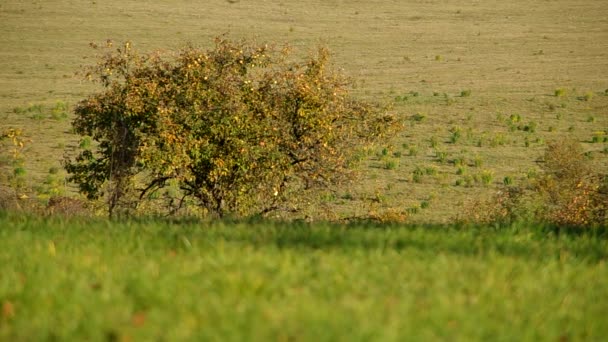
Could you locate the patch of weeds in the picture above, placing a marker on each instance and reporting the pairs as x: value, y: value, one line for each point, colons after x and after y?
x: 551, y: 129
x: 507, y: 180
x: 461, y: 170
x: 598, y: 137
x: 328, y: 197
x: 438, y: 58
x: 53, y: 185
x: 36, y: 112
x: 430, y: 171
x: 530, y: 127
x: 413, y: 151
x: 413, y: 210
x: 459, y: 161
x: 531, y: 174
x: 478, y: 162
x: 487, y: 176
x: 591, y: 118
x: 19, y: 171
x: 456, y: 134
x: 348, y: 196
x: 441, y: 156
x: 465, y: 93
x: 391, y: 164
x: 586, y: 97
x: 571, y: 129
x: 59, y: 111
x: 433, y: 141
x: 379, y: 197
x: 560, y: 92
x: 425, y: 204
x: 497, y: 140
x: 418, y: 117
x: 417, y: 174
x: 448, y: 99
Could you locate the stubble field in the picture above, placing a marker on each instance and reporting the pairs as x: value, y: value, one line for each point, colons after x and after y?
x: 481, y: 86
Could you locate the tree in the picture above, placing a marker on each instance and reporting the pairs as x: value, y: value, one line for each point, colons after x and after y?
x: 239, y: 128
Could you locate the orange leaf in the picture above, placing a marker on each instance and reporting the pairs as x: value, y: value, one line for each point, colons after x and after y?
x: 8, y: 310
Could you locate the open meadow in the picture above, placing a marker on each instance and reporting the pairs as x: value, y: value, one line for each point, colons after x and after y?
x: 481, y: 88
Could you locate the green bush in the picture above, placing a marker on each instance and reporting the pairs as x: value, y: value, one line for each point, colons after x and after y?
x: 240, y: 128
x: 568, y: 192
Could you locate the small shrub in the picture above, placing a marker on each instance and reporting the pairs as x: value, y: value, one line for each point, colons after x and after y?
x: 417, y: 174
x: 478, y: 162
x: 567, y: 192
x: 599, y: 137
x: 19, y: 172
x: 465, y: 93
x: 413, y: 151
x: 586, y: 97
x: 560, y: 92
x: 389, y: 216
x: 441, y: 156
x: 456, y: 134
x: 487, y: 176
x: 530, y: 127
x: 59, y: 111
x: 391, y: 164
x: 418, y: 117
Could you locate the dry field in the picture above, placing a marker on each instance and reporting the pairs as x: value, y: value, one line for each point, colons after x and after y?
x: 481, y: 85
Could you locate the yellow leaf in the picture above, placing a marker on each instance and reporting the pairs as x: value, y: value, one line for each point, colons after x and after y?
x: 51, y: 248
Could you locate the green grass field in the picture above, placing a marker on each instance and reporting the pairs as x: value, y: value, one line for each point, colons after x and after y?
x: 156, y: 280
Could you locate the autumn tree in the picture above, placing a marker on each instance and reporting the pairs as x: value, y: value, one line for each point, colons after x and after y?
x: 240, y: 128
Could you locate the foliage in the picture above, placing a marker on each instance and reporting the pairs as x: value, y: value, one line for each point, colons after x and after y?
x: 568, y: 192
x: 240, y: 128
x: 12, y: 143
x: 574, y: 193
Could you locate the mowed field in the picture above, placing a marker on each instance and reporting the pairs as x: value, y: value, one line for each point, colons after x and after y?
x: 481, y: 86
